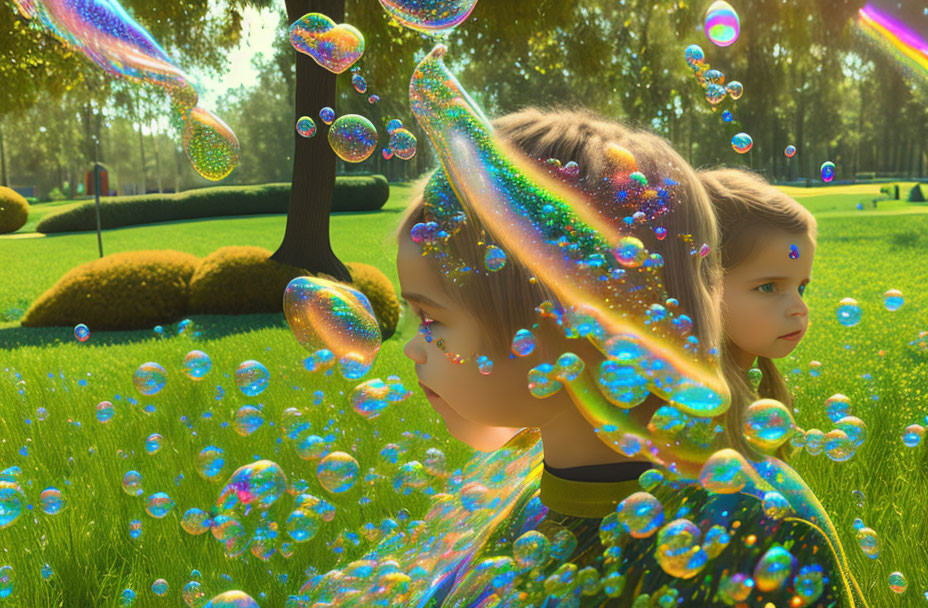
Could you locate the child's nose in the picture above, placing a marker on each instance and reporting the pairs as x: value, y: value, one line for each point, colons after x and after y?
x: 414, y: 351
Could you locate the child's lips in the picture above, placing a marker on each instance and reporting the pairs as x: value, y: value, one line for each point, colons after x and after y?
x: 793, y: 336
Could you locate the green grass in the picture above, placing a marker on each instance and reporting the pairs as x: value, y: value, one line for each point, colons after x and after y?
x: 860, y: 254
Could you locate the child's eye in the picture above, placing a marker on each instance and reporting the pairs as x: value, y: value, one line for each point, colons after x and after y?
x: 762, y: 289
x: 426, y: 321
x: 802, y: 290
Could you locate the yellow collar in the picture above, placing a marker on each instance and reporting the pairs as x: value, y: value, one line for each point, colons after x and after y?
x: 584, y: 498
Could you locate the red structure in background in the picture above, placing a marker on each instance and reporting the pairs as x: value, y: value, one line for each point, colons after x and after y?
x: 104, y: 183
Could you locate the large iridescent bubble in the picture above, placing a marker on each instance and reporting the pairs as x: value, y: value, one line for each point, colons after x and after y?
x: 334, y: 47
x: 429, y: 16
x: 722, y: 23
x: 105, y: 33
x: 353, y: 138
x: 324, y: 314
x: 232, y: 599
x: 260, y: 483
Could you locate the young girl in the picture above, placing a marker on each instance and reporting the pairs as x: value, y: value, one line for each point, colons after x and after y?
x: 767, y: 250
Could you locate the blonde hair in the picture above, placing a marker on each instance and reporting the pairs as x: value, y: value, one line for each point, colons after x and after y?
x: 505, y: 301
x: 746, y: 206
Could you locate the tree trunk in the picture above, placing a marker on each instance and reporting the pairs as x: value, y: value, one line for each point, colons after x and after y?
x: 306, y: 238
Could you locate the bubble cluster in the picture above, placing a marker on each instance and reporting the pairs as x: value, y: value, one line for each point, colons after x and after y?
x: 354, y: 138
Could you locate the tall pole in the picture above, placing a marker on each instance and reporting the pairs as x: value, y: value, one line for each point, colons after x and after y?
x: 96, y: 186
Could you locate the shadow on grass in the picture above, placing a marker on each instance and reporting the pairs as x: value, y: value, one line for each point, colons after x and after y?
x: 212, y: 326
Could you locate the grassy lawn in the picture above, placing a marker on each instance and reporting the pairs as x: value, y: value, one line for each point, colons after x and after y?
x: 860, y: 254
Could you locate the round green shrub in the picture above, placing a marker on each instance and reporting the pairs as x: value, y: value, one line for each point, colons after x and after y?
x: 14, y: 210
x: 131, y: 290
x: 916, y: 195
x: 240, y: 280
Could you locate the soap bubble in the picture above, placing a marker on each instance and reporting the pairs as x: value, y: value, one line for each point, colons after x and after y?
x: 722, y: 23
x: 494, y: 258
x: 260, y: 483
x: 790, y: 151
x: 387, y: 153
x: 641, y: 514
x: 105, y: 412
x: 159, y: 587
x: 531, y: 549
x: 327, y: 115
x: 715, y: 93
x: 854, y: 428
x: 210, y: 462
x: 828, y: 171
x: 337, y: 472
x: 153, y: 443
x: 630, y: 252
x: 232, y: 599
x: 11, y: 503
x: 158, y: 505
x: 373, y: 99
x: 403, y: 143
x: 358, y: 82
x: 6, y: 581
x: 324, y: 314
x: 849, y: 312
x: 393, y: 125
x: 248, y: 419
x: 734, y: 89
x: 132, y: 483
x: 81, y: 332
x: 193, y: 595
x: 197, y: 364
x: 210, y: 144
x: 251, y: 377
x: 149, y: 378
x: 898, y: 583
x: 353, y: 138
x: 893, y: 299
x: 302, y: 525
x: 742, y: 143
x: 837, y: 406
x: 410, y: 477
x: 815, y: 441
x: 768, y: 424
x: 370, y: 398
x: 913, y: 435
x: 714, y: 76
x: 334, y: 47
x: 678, y: 550
x: 306, y: 126
x: 52, y: 501
x: 694, y: 55
x: 775, y: 505
x: 838, y: 446
x: 195, y: 521
x: 523, y: 343
x: 429, y: 16
x: 869, y: 542
x: 727, y: 116
x: 773, y: 569
x: 126, y: 598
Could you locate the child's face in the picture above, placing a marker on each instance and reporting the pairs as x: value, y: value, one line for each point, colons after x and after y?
x: 763, y: 297
x: 473, y: 406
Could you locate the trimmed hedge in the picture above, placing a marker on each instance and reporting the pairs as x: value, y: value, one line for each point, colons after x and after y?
x: 352, y: 193
x: 131, y: 290
x: 14, y: 210
x: 140, y: 289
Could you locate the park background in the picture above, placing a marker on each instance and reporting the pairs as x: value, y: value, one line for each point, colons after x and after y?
x: 811, y: 79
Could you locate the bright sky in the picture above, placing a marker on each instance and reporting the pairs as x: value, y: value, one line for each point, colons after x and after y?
x: 258, y: 31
